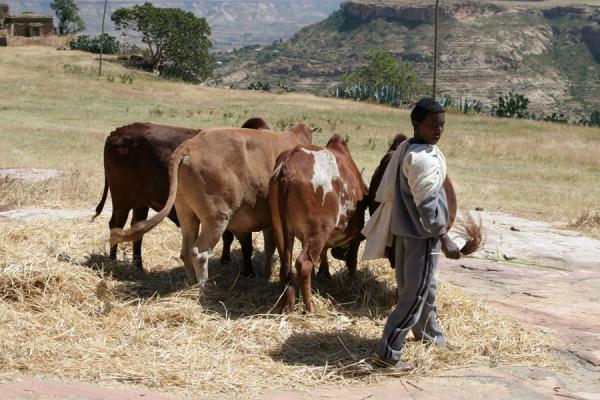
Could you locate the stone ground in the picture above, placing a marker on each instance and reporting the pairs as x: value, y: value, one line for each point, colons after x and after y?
x: 542, y: 275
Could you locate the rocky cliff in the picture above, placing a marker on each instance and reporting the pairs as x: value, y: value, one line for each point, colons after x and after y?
x: 545, y: 50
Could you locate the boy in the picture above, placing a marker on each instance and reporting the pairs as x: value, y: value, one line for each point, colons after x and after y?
x: 419, y: 214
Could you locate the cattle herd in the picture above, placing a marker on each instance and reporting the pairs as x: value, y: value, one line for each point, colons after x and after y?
x: 230, y: 182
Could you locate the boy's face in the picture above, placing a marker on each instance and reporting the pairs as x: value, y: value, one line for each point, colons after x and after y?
x: 430, y: 130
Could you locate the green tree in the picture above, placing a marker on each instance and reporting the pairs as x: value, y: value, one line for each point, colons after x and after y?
x: 381, y: 68
x: 67, y: 13
x: 177, y: 40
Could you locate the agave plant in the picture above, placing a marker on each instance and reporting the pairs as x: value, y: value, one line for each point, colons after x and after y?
x: 385, y: 94
x: 593, y: 120
x: 470, y: 106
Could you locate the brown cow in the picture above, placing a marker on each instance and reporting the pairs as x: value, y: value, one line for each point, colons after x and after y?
x: 376, y: 181
x: 316, y: 194
x: 136, y: 164
x: 220, y: 179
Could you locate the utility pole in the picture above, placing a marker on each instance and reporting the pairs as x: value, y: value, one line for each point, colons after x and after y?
x: 435, y: 47
x: 102, y: 39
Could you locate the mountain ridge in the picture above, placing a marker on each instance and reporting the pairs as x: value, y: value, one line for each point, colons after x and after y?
x: 545, y: 50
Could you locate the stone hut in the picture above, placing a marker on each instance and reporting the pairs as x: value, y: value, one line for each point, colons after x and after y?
x: 24, y: 24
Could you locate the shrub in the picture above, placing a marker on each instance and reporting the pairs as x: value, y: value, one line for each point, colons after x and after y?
x: 109, y: 44
x: 514, y: 105
x: 264, y: 86
x: 286, y: 87
x: 554, y: 117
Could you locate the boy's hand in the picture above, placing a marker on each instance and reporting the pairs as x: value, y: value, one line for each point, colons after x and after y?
x: 449, y: 248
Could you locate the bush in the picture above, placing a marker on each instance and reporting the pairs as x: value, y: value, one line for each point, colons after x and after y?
x: 264, y: 86
x: 287, y: 88
x: 109, y: 44
x: 512, y: 106
x: 554, y: 117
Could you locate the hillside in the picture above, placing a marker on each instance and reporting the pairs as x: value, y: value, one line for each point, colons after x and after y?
x: 235, y: 23
x: 545, y: 50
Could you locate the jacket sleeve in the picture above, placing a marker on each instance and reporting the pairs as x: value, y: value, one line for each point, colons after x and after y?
x: 434, y: 213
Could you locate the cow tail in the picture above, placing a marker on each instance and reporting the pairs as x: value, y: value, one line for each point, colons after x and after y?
x: 100, y: 205
x: 136, y: 232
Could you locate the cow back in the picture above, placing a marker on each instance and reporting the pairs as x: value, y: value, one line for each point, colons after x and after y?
x: 232, y: 166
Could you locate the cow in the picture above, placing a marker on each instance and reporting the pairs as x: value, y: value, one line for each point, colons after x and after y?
x: 220, y: 179
x: 316, y: 194
x: 376, y: 181
x: 136, y: 163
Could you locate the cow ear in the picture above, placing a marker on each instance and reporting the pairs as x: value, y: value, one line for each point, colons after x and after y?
x: 337, y: 142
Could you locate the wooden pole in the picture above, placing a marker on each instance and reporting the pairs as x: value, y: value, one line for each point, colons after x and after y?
x: 435, y: 47
x: 102, y: 39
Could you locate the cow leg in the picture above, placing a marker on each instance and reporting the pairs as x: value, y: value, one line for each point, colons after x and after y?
x: 189, y: 233
x: 324, y: 266
x: 226, y: 254
x: 269, y: 239
x: 139, y: 214
x: 211, y: 232
x: 285, y: 275
x: 246, y: 242
x: 311, y: 250
x: 117, y: 220
x: 352, y: 257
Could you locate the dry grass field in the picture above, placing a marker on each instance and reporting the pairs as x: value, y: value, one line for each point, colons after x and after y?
x: 55, y: 112
x: 67, y: 312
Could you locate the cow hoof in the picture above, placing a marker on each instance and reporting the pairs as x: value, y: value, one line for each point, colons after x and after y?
x: 225, y: 259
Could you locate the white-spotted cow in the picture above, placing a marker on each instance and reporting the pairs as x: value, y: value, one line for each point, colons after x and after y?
x: 317, y: 195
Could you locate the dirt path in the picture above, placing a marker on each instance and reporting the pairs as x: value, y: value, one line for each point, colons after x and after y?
x: 542, y: 275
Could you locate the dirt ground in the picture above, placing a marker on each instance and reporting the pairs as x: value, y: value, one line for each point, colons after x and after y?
x: 553, y: 285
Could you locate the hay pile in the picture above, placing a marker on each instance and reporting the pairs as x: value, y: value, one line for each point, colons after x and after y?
x: 67, y: 312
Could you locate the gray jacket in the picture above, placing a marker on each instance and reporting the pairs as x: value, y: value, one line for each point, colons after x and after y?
x: 429, y: 220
